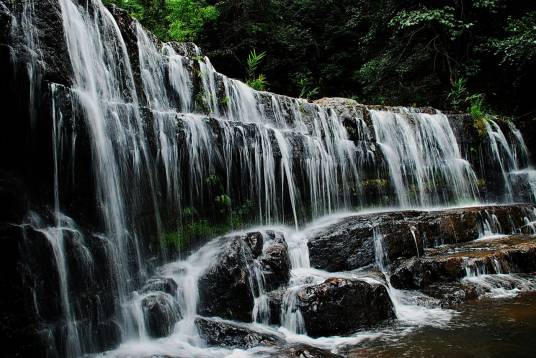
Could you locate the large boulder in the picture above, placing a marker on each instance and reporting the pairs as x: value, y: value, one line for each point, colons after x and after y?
x: 349, y: 244
x: 229, y: 286
x: 225, y: 290
x: 341, y: 306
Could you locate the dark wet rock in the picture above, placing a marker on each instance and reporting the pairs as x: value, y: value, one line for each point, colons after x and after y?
x: 349, y: 244
x: 275, y: 263
x: 225, y: 289
x: 231, y: 335
x: 161, y: 312
x: 341, y: 306
x: 451, y: 294
x: 515, y: 253
x: 162, y: 284
x: 275, y: 298
x: 108, y: 334
x: 255, y: 243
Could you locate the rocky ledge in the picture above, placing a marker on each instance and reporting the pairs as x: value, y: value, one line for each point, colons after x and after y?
x: 349, y: 244
x: 451, y: 263
x: 450, y: 256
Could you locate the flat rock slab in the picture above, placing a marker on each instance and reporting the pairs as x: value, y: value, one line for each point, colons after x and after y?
x: 511, y: 254
x: 349, y: 244
x: 228, y: 334
x: 231, y: 335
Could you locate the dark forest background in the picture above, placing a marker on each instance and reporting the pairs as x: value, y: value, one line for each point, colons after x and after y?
x: 468, y: 55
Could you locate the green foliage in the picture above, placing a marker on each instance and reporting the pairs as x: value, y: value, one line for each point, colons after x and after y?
x: 519, y: 45
x: 257, y: 82
x: 224, y: 101
x: 194, y: 229
x: 134, y: 7
x: 186, y: 18
x: 223, y: 202
x: 306, y: 86
x: 458, y: 94
x: 375, y: 183
x: 189, y: 232
x: 253, y: 61
x: 179, y: 20
x: 476, y: 106
x: 444, y: 17
x: 385, y: 52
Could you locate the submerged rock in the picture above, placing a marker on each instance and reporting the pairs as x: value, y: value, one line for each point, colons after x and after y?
x: 231, y: 335
x: 226, y: 334
x: 341, y: 306
x: 451, y: 293
x: 161, y: 312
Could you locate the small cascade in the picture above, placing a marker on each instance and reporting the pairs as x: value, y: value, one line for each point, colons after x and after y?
x: 55, y: 236
x: 408, y: 305
x: 261, y: 310
x: 425, y: 163
x: 291, y: 316
x: 494, y: 278
x: 490, y: 227
x: 26, y: 28
x: 512, y: 159
x: 503, y: 154
x: 186, y: 274
x: 412, y: 230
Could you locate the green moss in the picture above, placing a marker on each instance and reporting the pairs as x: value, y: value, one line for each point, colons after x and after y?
x: 201, y: 102
x: 479, y: 124
x: 375, y: 183
x: 195, y: 229
x: 224, y: 101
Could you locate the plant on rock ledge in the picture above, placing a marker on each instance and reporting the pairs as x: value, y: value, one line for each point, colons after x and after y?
x: 257, y: 82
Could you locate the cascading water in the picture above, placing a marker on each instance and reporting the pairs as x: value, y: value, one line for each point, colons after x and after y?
x: 105, y: 95
x: 425, y: 163
x: 173, y: 143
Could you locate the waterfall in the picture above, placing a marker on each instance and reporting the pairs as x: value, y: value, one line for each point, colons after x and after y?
x: 174, y: 145
x: 512, y: 160
x: 425, y: 163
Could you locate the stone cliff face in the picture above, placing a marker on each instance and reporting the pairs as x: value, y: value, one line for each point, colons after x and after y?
x: 113, y: 140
